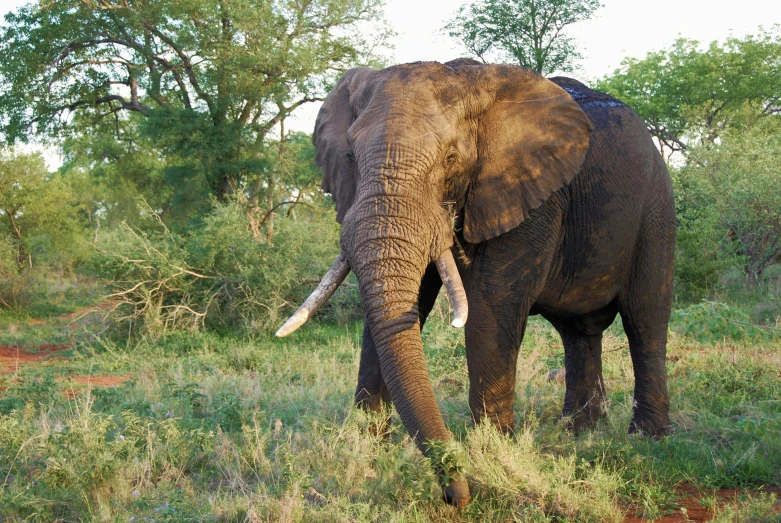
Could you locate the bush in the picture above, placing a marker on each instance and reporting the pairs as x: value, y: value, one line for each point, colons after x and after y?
x: 18, y: 288
x: 219, y: 276
x: 703, y: 251
x: 711, y: 321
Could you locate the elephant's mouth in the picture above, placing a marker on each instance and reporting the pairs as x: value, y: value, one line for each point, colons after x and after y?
x: 445, y: 264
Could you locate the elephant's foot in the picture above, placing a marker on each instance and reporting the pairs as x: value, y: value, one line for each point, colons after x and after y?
x: 503, y: 420
x: 655, y: 428
x: 583, y: 418
x: 651, y: 415
x: 379, y: 408
x: 456, y: 492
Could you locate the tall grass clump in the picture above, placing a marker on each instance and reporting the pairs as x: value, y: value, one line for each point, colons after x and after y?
x: 218, y: 276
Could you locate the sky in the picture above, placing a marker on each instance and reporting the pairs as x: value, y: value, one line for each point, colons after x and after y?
x: 619, y: 29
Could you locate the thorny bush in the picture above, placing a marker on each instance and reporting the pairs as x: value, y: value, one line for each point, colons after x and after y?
x: 219, y: 276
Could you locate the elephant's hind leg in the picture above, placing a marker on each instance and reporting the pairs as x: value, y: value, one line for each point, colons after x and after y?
x: 651, y: 403
x: 585, y: 387
x: 645, y: 311
x: 585, y: 395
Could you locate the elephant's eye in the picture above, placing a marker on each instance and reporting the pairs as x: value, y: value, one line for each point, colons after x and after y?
x: 350, y: 157
x: 451, y: 158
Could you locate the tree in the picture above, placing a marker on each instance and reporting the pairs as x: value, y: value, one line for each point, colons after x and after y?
x: 295, y: 181
x: 116, y: 171
x: 741, y: 182
x: 210, y: 78
x: 36, y: 209
x: 687, y: 95
x: 529, y: 32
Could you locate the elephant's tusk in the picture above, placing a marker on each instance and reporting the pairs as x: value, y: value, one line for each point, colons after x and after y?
x: 456, y: 295
x: 327, y: 286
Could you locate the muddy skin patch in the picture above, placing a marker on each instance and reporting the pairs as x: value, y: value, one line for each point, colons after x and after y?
x: 586, y: 101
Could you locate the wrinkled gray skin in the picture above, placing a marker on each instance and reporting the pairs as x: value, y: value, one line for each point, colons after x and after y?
x: 554, y: 201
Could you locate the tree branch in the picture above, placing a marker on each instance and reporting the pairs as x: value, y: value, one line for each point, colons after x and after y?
x: 263, y: 129
x: 277, y: 206
x: 188, y: 67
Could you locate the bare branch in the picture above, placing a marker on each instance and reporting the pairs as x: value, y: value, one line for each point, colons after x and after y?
x: 277, y: 206
x: 188, y: 67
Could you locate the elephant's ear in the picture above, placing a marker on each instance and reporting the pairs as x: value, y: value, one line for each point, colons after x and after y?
x: 532, y: 140
x: 337, y: 114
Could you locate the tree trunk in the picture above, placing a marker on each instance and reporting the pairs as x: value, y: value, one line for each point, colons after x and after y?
x: 23, y: 259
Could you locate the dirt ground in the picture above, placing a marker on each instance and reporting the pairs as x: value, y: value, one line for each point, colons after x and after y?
x: 693, y: 510
x: 13, y: 359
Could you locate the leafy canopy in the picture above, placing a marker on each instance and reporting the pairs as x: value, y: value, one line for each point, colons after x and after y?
x: 114, y: 169
x: 528, y: 32
x: 212, y: 77
x: 688, y: 95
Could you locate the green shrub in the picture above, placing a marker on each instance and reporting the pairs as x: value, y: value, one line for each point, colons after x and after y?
x: 739, y: 182
x: 703, y: 252
x: 712, y: 321
x: 219, y: 276
x: 18, y: 288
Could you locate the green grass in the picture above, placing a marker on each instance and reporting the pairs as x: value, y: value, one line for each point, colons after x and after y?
x: 221, y: 428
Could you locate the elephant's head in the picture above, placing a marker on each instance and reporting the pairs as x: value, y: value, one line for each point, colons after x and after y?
x: 401, y: 150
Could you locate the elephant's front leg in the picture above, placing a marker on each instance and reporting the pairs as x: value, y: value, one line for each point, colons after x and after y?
x: 371, y: 394
x: 493, y: 336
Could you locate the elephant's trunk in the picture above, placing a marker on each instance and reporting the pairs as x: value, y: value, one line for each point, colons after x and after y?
x: 389, y: 255
x: 395, y: 327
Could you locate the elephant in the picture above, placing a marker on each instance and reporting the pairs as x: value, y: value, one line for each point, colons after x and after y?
x: 522, y: 195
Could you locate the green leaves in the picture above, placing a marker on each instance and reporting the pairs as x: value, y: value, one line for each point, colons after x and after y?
x: 712, y: 322
x: 212, y: 77
x: 37, y: 212
x: 448, y: 458
x: 740, y: 178
x: 689, y: 95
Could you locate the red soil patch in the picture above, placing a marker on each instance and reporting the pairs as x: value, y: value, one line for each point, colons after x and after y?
x: 82, y: 382
x: 695, y: 512
x: 11, y: 358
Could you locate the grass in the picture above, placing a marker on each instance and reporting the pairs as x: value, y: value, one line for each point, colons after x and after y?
x: 225, y: 428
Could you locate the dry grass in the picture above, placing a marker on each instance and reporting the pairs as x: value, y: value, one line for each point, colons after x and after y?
x: 226, y: 429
